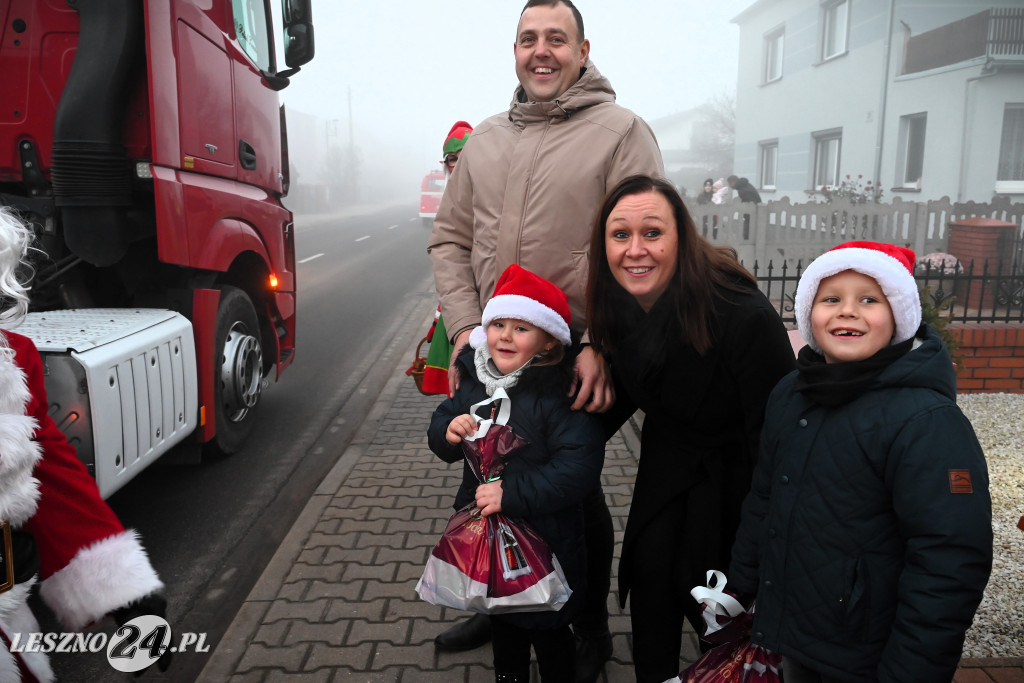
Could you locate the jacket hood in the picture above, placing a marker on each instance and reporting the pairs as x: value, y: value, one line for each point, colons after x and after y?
x: 927, y: 365
x: 591, y: 88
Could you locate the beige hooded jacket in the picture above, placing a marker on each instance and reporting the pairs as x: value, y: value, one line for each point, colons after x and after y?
x: 526, y: 190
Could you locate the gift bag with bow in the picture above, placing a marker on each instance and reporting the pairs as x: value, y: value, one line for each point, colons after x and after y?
x: 493, y: 564
x: 734, y: 659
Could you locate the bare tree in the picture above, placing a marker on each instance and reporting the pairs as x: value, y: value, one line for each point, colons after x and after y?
x: 714, y: 137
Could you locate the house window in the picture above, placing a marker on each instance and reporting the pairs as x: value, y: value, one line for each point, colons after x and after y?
x: 827, y: 145
x: 910, y: 157
x: 1010, y: 176
x: 773, y: 43
x: 769, y: 164
x: 834, y: 23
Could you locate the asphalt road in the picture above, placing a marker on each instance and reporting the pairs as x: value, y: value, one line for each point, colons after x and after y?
x: 365, y: 291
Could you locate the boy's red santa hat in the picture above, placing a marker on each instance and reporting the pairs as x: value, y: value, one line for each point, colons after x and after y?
x: 522, y: 295
x: 891, y: 267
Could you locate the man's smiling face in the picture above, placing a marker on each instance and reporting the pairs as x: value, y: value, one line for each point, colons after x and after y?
x: 549, y: 53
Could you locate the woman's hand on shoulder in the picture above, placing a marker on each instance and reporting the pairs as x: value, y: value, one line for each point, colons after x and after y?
x: 459, y: 428
x: 596, y: 392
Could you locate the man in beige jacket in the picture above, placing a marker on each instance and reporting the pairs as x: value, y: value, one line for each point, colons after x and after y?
x: 526, y: 190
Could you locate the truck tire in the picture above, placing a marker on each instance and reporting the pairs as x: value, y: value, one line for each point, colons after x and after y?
x: 238, y: 362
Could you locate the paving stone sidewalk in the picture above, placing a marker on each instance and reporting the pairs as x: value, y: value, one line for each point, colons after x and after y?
x: 337, y: 601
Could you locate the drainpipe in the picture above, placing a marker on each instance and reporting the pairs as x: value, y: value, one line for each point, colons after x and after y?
x: 883, y: 99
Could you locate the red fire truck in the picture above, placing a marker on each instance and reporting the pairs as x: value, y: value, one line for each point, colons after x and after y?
x: 430, y: 196
x: 145, y: 142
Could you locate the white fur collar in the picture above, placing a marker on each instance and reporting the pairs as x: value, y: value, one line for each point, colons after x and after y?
x: 19, y: 490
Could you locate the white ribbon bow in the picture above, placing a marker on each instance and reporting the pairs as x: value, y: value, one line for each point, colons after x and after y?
x: 504, y: 410
x: 715, y: 600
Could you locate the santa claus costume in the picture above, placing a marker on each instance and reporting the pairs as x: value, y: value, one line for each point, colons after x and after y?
x: 89, y: 565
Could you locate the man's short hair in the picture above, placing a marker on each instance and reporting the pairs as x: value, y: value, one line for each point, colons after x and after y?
x: 552, y: 3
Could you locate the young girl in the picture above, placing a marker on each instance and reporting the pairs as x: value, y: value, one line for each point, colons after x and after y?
x: 867, y: 534
x: 520, y: 347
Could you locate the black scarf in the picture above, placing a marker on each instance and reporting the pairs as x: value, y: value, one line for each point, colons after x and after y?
x: 833, y: 384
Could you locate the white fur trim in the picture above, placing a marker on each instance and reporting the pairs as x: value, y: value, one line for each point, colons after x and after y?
x: 530, y: 310
x: 896, y: 281
x: 8, y: 667
x: 18, y: 619
x: 102, y: 577
x: 478, y: 337
x: 19, y: 490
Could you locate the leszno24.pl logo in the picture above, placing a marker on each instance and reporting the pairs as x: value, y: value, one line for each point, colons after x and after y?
x: 132, y: 647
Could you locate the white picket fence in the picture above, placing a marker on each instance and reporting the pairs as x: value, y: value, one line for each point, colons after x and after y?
x: 779, y: 232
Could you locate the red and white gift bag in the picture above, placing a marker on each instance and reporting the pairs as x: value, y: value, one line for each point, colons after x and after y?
x: 493, y: 564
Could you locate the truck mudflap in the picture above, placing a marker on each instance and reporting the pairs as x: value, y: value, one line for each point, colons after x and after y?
x: 122, y: 384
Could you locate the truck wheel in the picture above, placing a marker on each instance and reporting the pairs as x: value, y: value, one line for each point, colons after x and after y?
x: 238, y: 362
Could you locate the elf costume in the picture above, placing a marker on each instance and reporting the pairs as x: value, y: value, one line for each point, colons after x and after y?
x: 456, y: 138
x: 435, y: 374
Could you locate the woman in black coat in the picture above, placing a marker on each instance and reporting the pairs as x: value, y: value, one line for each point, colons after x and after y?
x: 694, y: 344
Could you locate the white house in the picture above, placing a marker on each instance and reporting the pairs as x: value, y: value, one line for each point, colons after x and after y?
x: 923, y: 97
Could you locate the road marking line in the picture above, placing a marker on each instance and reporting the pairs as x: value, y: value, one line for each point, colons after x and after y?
x: 414, y: 218
x: 364, y: 237
x: 314, y: 256
x: 392, y: 227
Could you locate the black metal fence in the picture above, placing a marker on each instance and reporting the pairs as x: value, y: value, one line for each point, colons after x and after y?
x: 991, y: 292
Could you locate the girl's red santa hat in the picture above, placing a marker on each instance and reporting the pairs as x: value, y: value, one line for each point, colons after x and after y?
x: 891, y: 267
x: 522, y: 295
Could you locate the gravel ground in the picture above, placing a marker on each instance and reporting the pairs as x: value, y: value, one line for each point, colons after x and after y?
x: 998, y: 420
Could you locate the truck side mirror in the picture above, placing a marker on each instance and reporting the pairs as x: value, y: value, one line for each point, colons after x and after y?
x: 298, y: 32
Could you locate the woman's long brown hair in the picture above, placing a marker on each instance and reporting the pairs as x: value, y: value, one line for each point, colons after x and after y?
x: 700, y: 266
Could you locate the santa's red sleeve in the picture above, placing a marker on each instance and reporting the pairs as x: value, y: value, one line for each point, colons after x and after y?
x: 89, y: 564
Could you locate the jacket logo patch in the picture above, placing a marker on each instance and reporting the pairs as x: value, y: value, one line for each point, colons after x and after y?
x: 960, y: 481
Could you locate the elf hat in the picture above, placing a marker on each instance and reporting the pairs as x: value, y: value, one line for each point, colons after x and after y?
x: 891, y: 266
x: 522, y: 295
x: 457, y: 137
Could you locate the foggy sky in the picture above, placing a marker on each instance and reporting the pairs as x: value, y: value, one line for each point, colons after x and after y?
x: 415, y: 67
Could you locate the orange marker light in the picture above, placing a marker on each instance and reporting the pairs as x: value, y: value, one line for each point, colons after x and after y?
x: 273, y: 281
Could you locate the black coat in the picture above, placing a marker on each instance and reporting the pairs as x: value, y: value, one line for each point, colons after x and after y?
x: 867, y: 545
x: 746, y: 191
x: 545, y: 482
x: 702, y: 414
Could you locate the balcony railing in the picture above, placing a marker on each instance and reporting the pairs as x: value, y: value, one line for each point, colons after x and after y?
x: 996, y: 34
x: 1005, y: 35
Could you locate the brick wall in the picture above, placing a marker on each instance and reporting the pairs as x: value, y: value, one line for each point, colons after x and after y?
x: 992, y: 357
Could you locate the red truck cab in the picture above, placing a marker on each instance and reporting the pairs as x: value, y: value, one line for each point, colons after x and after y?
x: 145, y: 141
x: 430, y: 196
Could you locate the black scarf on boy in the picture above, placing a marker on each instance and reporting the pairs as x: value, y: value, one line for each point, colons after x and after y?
x: 835, y: 384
